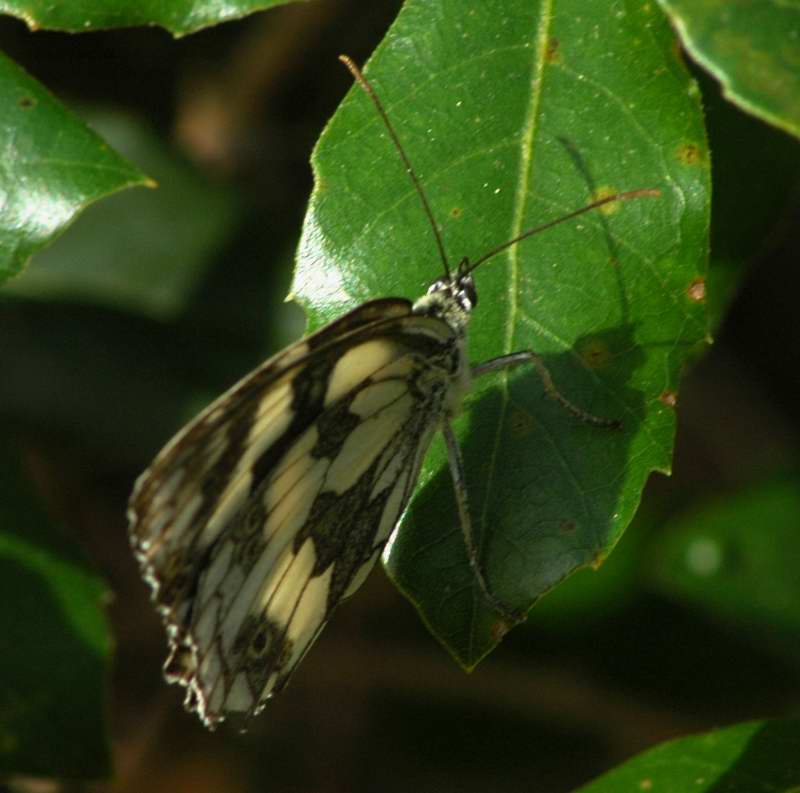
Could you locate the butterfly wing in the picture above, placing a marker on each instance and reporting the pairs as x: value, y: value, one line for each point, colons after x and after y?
x: 275, y: 502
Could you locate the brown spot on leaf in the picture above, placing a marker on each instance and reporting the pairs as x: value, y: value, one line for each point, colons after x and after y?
x: 455, y: 213
x: 521, y: 423
x: 604, y: 191
x: 500, y: 628
x: 595, y: 353
x: 677, y: 51
x: 697, y: 290
x: 26, y: 102
x: 551, y: 52
x: 598, y: 561
x: 567, y: 526
x: 689, y: 154
x: 669, y: 398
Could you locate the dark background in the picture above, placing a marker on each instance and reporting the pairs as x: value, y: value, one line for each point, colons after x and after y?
x: 378, y: 704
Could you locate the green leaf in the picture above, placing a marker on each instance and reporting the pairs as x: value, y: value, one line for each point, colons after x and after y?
x: 736, y: 559
x: 513, y: 113
x: 753, y: 757
x: 55, y: 645
x: 52, y: 167
x: 592, y: 595
x: 142, y: 250
x: 177, y: 16
x: 752, y: 47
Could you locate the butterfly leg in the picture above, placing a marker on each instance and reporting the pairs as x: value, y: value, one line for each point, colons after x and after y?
x: 511, y: 615
x: 532, y: 358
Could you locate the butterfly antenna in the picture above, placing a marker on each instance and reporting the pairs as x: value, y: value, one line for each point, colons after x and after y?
x: 370, y: 92
x: 646, y: 192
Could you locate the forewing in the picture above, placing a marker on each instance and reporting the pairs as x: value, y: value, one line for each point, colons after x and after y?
x: 274, y: 504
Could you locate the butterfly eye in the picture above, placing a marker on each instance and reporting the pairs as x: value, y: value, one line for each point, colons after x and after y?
x: 467, y: 294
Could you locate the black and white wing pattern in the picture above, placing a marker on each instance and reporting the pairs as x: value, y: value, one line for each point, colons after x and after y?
x: 272, y: 506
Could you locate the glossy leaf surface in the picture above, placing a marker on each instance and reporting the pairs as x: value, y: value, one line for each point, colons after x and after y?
x: 516, y: 114
x: 52, y: 167
x: 177, y: 16
x: 752, y: 47
x: 748, y: 758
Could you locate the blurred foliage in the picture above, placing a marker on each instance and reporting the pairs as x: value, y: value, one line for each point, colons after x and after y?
x: 156, y: 300
x: 746, y: 758
x: 53, y: 167
x: 736, y: 559
x: 161, y: 250
x: 750, y: 46
x: 55, y: 643
x: 177, y: 16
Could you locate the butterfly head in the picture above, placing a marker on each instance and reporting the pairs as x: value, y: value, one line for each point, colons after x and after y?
x: 451, y: 298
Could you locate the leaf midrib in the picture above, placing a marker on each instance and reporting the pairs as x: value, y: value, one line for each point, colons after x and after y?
x: 520, y: 201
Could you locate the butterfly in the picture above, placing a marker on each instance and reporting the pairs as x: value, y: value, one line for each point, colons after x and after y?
x: 272, y: 506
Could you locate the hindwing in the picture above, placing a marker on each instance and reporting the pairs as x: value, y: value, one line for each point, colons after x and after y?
x: 269, y: 508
